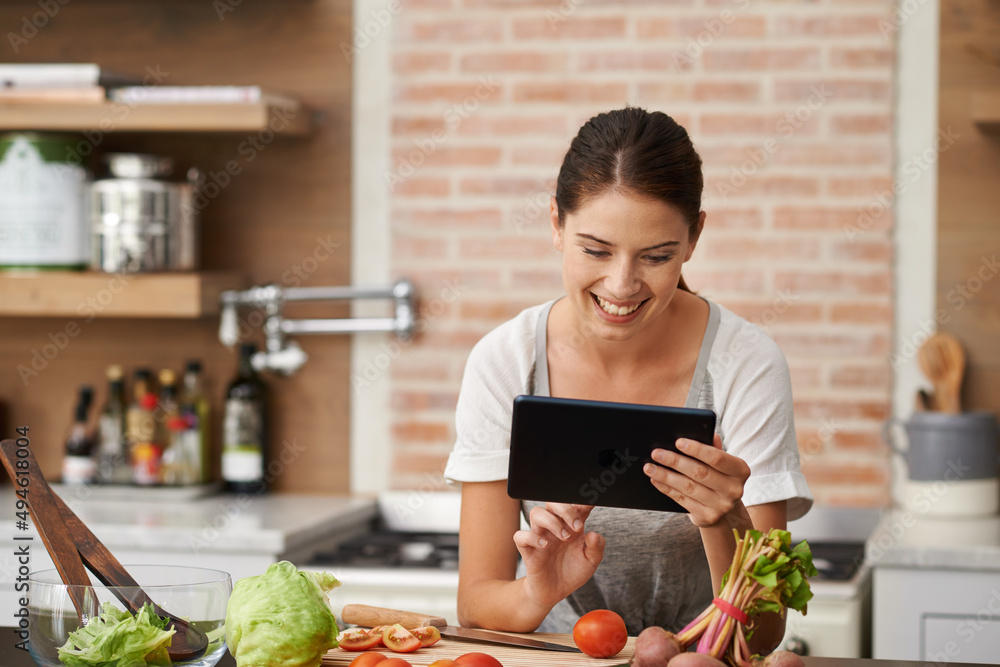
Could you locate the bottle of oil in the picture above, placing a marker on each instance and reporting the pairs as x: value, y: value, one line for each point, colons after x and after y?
x: 112, y: 452
x: 195, y: 411
x: 175, y: 468
x: 244, y: 429
x: 145, y: 452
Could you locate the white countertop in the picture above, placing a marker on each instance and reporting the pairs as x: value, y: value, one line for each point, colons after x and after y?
x: 272, y: 523
x: 906, y: 538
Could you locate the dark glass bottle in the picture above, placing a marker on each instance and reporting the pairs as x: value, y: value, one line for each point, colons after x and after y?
x: 79, y: 466
x: 244, y: 429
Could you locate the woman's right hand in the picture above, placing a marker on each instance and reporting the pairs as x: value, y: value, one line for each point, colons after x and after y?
x: 559, y: 556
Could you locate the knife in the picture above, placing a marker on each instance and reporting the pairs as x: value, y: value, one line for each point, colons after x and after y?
x: 362, y: 614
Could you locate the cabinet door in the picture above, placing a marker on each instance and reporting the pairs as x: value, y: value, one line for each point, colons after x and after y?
x: 962, y: 638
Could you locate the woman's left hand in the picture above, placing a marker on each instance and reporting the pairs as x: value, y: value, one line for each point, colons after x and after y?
x: 705, y: 480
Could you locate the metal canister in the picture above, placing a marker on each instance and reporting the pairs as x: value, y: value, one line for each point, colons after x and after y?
x: 42, y: 189
x: 140, y: 221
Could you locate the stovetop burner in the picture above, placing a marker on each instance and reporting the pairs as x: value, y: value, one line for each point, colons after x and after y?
x: 396, y: 549
x: 837, y: 561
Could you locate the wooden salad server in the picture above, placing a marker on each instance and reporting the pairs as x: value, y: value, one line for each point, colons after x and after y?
x: 72, y: 546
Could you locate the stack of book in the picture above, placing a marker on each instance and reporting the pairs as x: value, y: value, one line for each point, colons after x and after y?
x: 62, y: 83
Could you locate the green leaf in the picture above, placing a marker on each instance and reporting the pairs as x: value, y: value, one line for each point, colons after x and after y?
x: 115, y: 638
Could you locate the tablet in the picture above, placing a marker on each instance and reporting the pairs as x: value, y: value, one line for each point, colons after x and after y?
x: 592, y: 452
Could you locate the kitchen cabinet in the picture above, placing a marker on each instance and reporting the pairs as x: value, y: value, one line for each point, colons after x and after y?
x: 986, y: 108
x: 936, y: 588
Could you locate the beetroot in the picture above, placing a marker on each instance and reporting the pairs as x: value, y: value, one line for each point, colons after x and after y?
x: 780, y: 659
x: 655, y: 647
x: 692, y: 659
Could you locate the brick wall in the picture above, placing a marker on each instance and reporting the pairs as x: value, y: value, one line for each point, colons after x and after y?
x: 789, y: 104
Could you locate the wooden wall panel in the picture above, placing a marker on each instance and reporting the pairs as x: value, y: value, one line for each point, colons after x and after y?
x: 288, y: 199
x: 969, y: 196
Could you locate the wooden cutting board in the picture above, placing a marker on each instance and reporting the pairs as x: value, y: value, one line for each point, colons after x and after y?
x: 509, y: 656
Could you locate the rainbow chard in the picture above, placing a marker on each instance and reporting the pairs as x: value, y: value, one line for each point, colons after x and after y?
x: 767, y: 574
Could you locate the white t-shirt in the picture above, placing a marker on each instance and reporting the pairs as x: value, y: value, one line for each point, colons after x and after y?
x: 741, y: 374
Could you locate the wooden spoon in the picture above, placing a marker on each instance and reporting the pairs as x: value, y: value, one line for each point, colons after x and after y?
x: 71, y: 546
x: 942, y: 360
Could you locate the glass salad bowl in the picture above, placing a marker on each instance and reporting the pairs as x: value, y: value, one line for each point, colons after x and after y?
x: 198, y: 596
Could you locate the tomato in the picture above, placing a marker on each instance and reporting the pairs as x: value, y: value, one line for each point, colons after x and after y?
x: 369, y: 659
x: 600, y: 633
x: 394, y: 662
x: 399, y: 639
x: 478, y: 660
x: 428, y: 635
x: 444, y: 662
x: 358, y: 639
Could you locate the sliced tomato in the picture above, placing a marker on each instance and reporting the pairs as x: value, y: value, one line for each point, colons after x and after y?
x: 428, y: 635
x: 368, y: 659
x: 399, y: 639
x: 358, y: 639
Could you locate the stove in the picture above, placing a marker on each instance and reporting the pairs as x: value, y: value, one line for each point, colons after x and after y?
x: 395, y: 549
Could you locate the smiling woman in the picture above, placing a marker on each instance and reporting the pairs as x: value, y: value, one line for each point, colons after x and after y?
x: 626, y: 216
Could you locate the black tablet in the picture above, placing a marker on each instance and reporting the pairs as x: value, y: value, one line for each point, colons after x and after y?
x: 592, y: 452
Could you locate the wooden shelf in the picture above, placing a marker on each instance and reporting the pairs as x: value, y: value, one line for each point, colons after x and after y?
x: 986, y: 108
x: 109, y: 116
x: 87, y: 294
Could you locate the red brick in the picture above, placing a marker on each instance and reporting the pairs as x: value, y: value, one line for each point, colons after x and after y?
x: 738, y: 280
x: 879, y: 250
x: 755, y: 185
x: 447, y: 156
x: 654, y: 27
x: 735, y: 247
x: 440, y: 339
x: 511, y: 125
x: 569, y: 28
x: 417, y: 247
x: 773, y: 311
x: 805, y: 376
x: 540, y: 155
x: 829, y: 218
x: 423, y: 400
x: 861, y: 312
x: 421, y: 126
x: 631, y: 60
x: 861, y: 186
x: 555, y: 91
x: 539, y: 279
x: 416, y: 62
x: 412, y: 367
x: 861, y: 124
x: 831, y: 344
x: 827, y: 25
x: 862, y: 58
x: 501, y: 185
x: 869, y: 441
x: 493, y: 311
x: 841, y: 153
x: 435, y: 280
x: 752, y: 123
x: 845, y: 409
x: 726, y: 91
x: 837, y: 90
x: 508, y: 4
x: 506, y: 248
x: 521, y: 61
x: 447, y: 218
x: 811, y: 442
x: 664, y: 91
x: 835, y: 282
x: 418, y: 186
x: 737, y: 25
x: 827, y: 472
x: 481, y: 92
x: 733, y: 218
x: 853, y: 496
x: 717, y: 59
x: 448, y: 30
x: 862, y: 377
x: 418, y: 431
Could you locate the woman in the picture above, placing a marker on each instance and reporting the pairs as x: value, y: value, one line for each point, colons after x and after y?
x: 626, y: 216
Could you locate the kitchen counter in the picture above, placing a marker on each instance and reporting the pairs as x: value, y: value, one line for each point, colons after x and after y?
x: 936, y: 587
x: 905, y: 538
x: 238, y: 534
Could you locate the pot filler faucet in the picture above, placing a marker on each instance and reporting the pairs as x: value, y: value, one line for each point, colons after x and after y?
x: 284, y: 356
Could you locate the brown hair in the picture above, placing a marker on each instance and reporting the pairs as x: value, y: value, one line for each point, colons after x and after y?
x: 632, y: 149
